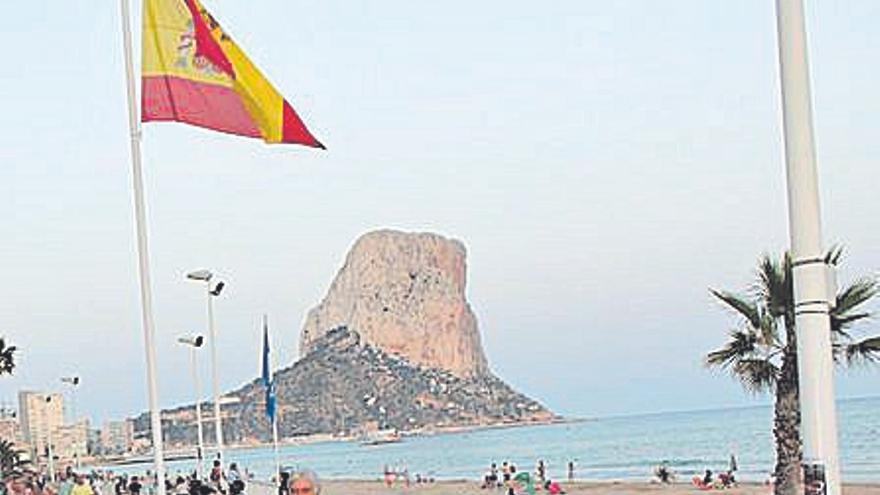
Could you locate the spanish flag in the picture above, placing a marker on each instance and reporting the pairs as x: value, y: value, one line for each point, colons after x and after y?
x: 194, y: 73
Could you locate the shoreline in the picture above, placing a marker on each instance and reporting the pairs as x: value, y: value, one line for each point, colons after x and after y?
x: 186, y: 452
x: 471, y: 487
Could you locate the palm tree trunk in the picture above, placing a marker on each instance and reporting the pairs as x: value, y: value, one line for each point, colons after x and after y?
x: 787, y: 422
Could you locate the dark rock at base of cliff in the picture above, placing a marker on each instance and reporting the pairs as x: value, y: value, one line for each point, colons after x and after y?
x: 344, y: 387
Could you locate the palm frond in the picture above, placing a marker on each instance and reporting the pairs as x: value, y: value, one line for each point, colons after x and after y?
x: 865, y: 351
x: 840, y: 325
x: 741, y: 306
x: 768, y: 331
x: 7, y: 358
x: 756, y: 375
x: 774, y: 284
x: 849, y: 299
x: 834, y: 255
x: 741, y: 346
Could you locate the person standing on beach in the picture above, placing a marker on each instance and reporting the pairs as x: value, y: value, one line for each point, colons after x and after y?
x: 233, y: 475
x: 571, y: 470
x: 389, y: 476
x: 119, y: 486
x: 284, y: 483
x: 217, y: 476
x: 134, y: 488
x: 511, y: 481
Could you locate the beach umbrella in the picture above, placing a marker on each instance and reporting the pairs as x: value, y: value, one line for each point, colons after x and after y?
x: 527, y: 481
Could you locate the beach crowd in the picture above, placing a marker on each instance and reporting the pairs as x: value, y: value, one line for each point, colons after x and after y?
x: 504, y: 478
x: 219, y: 481
x: 517, y: 483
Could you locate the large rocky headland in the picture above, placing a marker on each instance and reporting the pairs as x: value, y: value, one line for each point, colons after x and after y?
x: 394, y: 344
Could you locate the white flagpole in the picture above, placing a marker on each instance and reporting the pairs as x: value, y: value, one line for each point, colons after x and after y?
x: 143, y: 256
x: 811, y: 297
x: 215, y: 384
x: 275, y: 412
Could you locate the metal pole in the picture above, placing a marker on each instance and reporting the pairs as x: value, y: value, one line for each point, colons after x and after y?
x: 275, y: 446
x: 51, y: 460
x: 815, y: 363
x: 198, y: 389
x: 76, y: 426
x: 74, y: 423
x: 218, y: 422
x: 143, y: 256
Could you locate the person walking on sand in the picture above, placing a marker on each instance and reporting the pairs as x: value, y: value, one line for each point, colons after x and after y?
x: 541, y: 471
x: 571, y: 470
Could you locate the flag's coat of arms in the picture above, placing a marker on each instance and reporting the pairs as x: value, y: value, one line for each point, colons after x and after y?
x: 194, y: 73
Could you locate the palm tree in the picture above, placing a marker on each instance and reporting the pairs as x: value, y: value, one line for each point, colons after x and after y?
x: 10, y: 458
x: 762, y: 351
x: 7, y: 358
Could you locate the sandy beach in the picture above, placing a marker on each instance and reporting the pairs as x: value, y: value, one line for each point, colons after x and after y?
x: 461, y: 487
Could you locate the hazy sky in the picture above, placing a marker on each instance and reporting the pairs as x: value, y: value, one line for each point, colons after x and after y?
x: 605, y: 163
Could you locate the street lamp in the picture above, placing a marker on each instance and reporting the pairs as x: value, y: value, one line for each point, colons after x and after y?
x: 212, y: 291
x: 194, y: 343
x: 73, y: 381
x: 50, y: 455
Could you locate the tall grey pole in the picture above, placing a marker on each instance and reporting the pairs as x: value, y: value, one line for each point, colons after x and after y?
x: 198, y: 390
x: 143, y: 256
x: 218, y: 422
x: 76, y: 428
x: 811, y: 298
x: 49, y: 451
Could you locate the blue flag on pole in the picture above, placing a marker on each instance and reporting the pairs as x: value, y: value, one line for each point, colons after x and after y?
x: 268, y: 381
x: 267, y: 378
x: 270, y: 401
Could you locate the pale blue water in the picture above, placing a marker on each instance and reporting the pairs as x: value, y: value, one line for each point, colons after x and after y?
x: 625, y: 448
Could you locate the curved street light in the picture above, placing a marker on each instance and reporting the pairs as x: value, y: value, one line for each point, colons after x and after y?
x: 212, y: 291
x: 194, y: 343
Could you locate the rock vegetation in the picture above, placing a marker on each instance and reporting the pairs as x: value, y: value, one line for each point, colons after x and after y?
x: 346, y: 386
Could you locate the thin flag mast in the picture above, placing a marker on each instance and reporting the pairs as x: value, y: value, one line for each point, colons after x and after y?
x: 269, y: 383
x: 142, y: 250
x: 811, y: 296
x: 241, y: 102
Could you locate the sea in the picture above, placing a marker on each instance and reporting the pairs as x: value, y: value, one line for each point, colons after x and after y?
x: 625, y: 448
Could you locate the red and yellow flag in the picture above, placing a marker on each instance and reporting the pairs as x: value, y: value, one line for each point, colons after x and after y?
x: 194, y: 73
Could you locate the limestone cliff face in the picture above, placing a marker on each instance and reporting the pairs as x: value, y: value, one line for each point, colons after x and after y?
x: 405, y: 294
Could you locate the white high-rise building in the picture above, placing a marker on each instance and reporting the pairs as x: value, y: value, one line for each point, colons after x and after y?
x: 41, y: 417
x: 117, y: 436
